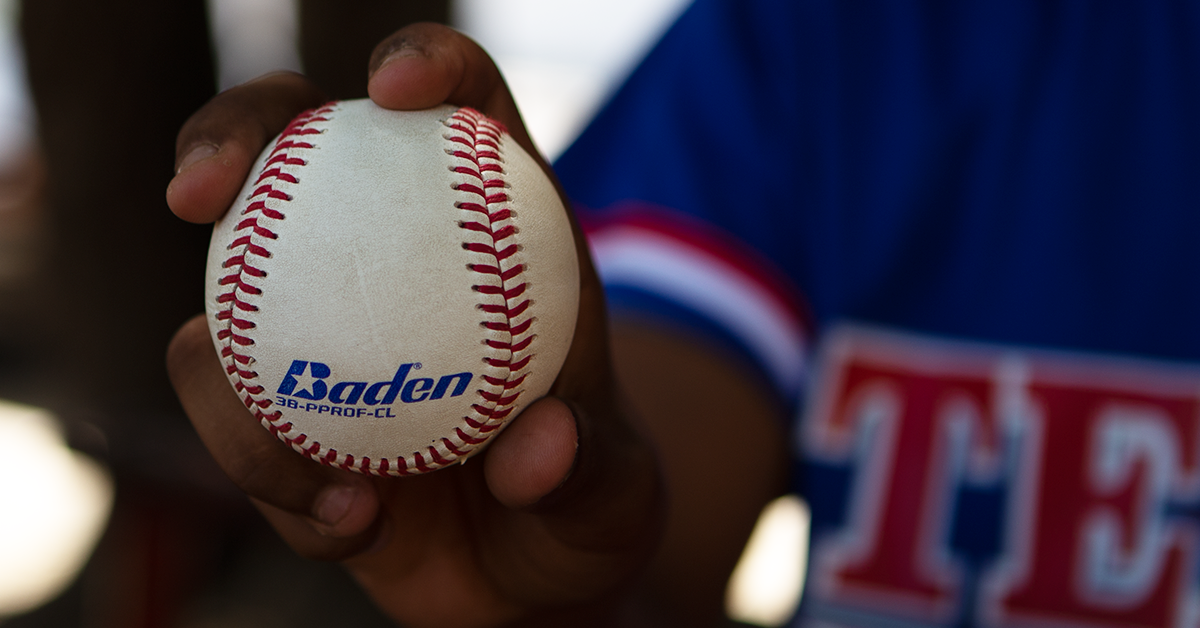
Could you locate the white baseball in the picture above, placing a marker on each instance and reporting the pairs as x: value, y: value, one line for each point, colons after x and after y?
x: 390, y: 288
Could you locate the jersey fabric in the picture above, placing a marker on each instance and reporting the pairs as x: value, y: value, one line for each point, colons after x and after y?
x: 961, y: 240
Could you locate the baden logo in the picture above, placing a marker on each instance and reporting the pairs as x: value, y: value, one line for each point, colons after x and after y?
x: 310, y: 380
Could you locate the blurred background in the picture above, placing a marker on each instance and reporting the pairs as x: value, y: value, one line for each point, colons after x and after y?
x: 111, y: 513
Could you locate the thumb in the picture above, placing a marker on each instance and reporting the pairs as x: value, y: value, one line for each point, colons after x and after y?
x: 534, y: 455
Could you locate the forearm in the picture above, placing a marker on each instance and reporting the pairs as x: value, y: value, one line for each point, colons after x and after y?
x: 701, y: 412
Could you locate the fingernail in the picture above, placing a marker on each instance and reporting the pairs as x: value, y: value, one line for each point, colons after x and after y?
x: 404, y: 52
x: 203, y: 151
x: 333, y: 504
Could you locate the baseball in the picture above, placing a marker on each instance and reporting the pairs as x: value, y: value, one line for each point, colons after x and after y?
x: 391, y: 288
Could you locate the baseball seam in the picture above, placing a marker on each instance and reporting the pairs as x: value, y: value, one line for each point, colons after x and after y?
x: 253, y: 235
x: 474, y: 144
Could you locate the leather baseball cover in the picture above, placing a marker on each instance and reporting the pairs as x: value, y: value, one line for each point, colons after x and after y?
x: 390, y: 288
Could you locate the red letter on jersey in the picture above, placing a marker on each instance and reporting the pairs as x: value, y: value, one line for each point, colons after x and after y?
x: 1088, y: 540
x: 896, y: 411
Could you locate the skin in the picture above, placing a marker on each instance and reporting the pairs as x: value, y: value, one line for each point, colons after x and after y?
x: 561, y: 521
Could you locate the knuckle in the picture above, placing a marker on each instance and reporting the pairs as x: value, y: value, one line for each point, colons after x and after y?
x: 305, y: 541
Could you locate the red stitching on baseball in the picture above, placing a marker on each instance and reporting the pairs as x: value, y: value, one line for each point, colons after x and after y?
x: 476, y: 141
x: 468, y: 439
x: 252, y: 241
x: 420, y: 463
x: 450, y: 446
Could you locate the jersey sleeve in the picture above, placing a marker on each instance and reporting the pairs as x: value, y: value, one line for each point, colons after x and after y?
x: 681, y: 216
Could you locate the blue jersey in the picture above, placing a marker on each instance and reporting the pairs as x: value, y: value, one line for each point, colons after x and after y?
x: 962, y: 239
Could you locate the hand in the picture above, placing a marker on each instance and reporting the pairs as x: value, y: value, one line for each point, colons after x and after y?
x: 565, y: 505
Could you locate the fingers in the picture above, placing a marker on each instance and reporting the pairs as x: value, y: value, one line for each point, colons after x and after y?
x: 416, y: 68
x: 577, y: 522
x: 424, y: 65
x: 533, y: 456
x: 321, y: 512
x: 577, y: 546
x: 218, y: 145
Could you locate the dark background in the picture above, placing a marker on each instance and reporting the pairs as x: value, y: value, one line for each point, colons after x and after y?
x: 85, y: 331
